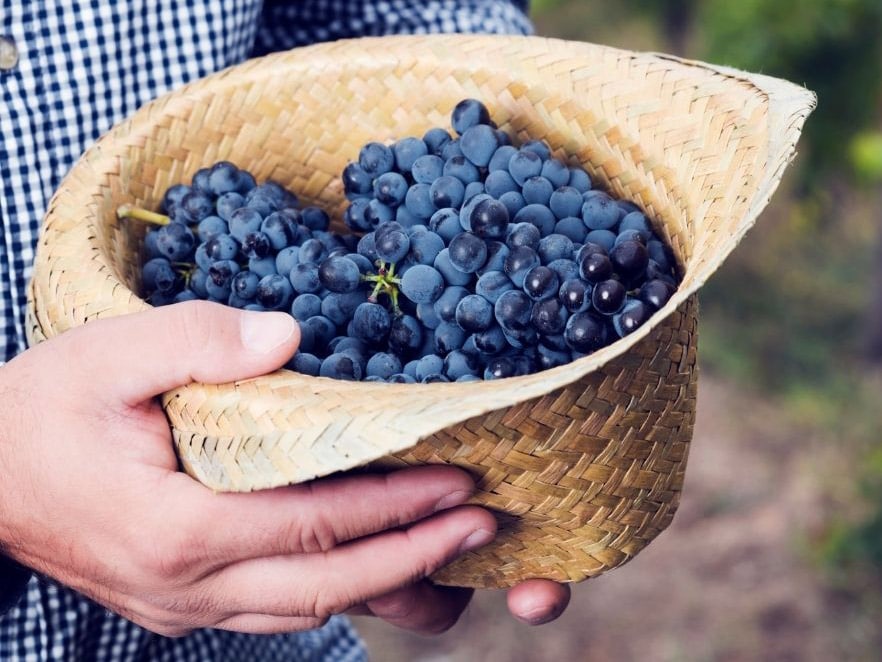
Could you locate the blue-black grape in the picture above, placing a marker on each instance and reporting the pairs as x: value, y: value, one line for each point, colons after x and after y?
x: 305, y: 306
x: 390, y: 188
x: 157, y: 275
x: 629, y: 259
x: 422, y: 284
x: 479, y: 143
x: 474, y: 313
x: 468, y: 113
x: 371, y: 322
x: 537, y: 191
x: 274, y: 292
x: 548, y: 316
x: 608, y: 297
x: 467, y: 252
x: 633, y: 315
x: 376, y: 158
x: 585, y: 333
x: 383, y: 364
x: 541, y: 283
x: 339, y: 274
x: 175, y: 241
x: 656, y: 293
x: 341, y: 366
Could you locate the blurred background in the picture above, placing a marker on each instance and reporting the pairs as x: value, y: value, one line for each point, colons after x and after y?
x: 776, y: 551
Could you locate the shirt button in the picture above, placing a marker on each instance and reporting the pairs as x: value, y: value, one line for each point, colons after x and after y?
x: 8, y: 54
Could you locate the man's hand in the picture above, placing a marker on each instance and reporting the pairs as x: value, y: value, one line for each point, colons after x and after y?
x: 92, y: 496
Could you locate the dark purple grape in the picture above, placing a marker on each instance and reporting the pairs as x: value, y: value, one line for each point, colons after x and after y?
x: 375, y: 159
x: 585, y: 333
x: 407, y: 151
x: 467, y: 252
x: 512, y: 310
x: 468, y: 113
x: 549, y: 317
x: 405, y: 335
x: 274, y: 292
x: 245, y: 284
x: 390, y: 188
x: 447, y: 191
x: 595, y: 267
x: 435, y: 140
x: 474, y: 313
x: 256, y: 245
x: 633, y: 315
x: 575, y: 295
x: 537, y: 191
x: 371, y: 323
x: 157, y: 275
x: 519, y: 261
x: 478, y: 143
x: 445, y: 305
x: 656, y: 293
x: 392, y: 246
x: 422, y: 284
x: 341, y: 366
x: 458, y: 364
x: 489, y: 219
x: 523, y: 165
x: 523, y: 234
x: 629, y: 259
x: 339, y: 274
x: 541, y: 283
x: 608, y: 297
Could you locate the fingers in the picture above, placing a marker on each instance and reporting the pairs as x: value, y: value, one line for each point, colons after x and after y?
x: 135, y: 357
x: 538, y: 601
x: 357, y: 572
x: 309, y: 518
x: 422, y: 607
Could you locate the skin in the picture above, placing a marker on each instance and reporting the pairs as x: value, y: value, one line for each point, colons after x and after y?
x: 92, y: 495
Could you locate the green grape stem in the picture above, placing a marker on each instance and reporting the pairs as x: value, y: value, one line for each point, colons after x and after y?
x: 385, y: 282
x: 144, y: 215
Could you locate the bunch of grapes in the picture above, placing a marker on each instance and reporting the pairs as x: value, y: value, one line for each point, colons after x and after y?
x: 470, y: 258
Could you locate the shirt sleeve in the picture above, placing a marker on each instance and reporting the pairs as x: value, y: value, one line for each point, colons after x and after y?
x: 286, y: 24
x: 13, y: 582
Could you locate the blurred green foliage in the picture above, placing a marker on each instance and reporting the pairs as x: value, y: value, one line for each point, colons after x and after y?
x: 791, y: 311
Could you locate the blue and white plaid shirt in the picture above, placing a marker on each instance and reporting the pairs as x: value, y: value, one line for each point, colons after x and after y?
x: 82, y: 66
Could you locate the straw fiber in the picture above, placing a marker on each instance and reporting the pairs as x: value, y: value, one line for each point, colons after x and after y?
x: 583, y: 463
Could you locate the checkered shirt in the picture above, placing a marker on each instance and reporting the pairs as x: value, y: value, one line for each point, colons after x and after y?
x: 82, y: 66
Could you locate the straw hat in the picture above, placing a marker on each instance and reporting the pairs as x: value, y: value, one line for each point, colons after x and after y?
x: 583, y: 463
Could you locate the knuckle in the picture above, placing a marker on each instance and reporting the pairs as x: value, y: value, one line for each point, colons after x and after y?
x: 332, y: 602
x: 317, y: 536
x: 169, y: 558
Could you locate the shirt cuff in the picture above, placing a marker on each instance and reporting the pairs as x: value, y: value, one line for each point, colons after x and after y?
x: 13, y: 583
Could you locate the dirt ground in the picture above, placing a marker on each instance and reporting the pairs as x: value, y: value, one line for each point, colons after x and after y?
x: 732, y: 579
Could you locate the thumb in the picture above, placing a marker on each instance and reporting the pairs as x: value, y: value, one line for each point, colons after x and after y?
x: 135, y: 357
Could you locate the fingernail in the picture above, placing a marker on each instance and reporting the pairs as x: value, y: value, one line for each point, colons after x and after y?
x: 263, y: 332
x: 477, y: 538
x: 452, y: 499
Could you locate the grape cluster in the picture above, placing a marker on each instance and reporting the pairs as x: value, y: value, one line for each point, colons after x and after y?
x: 470, y: 258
